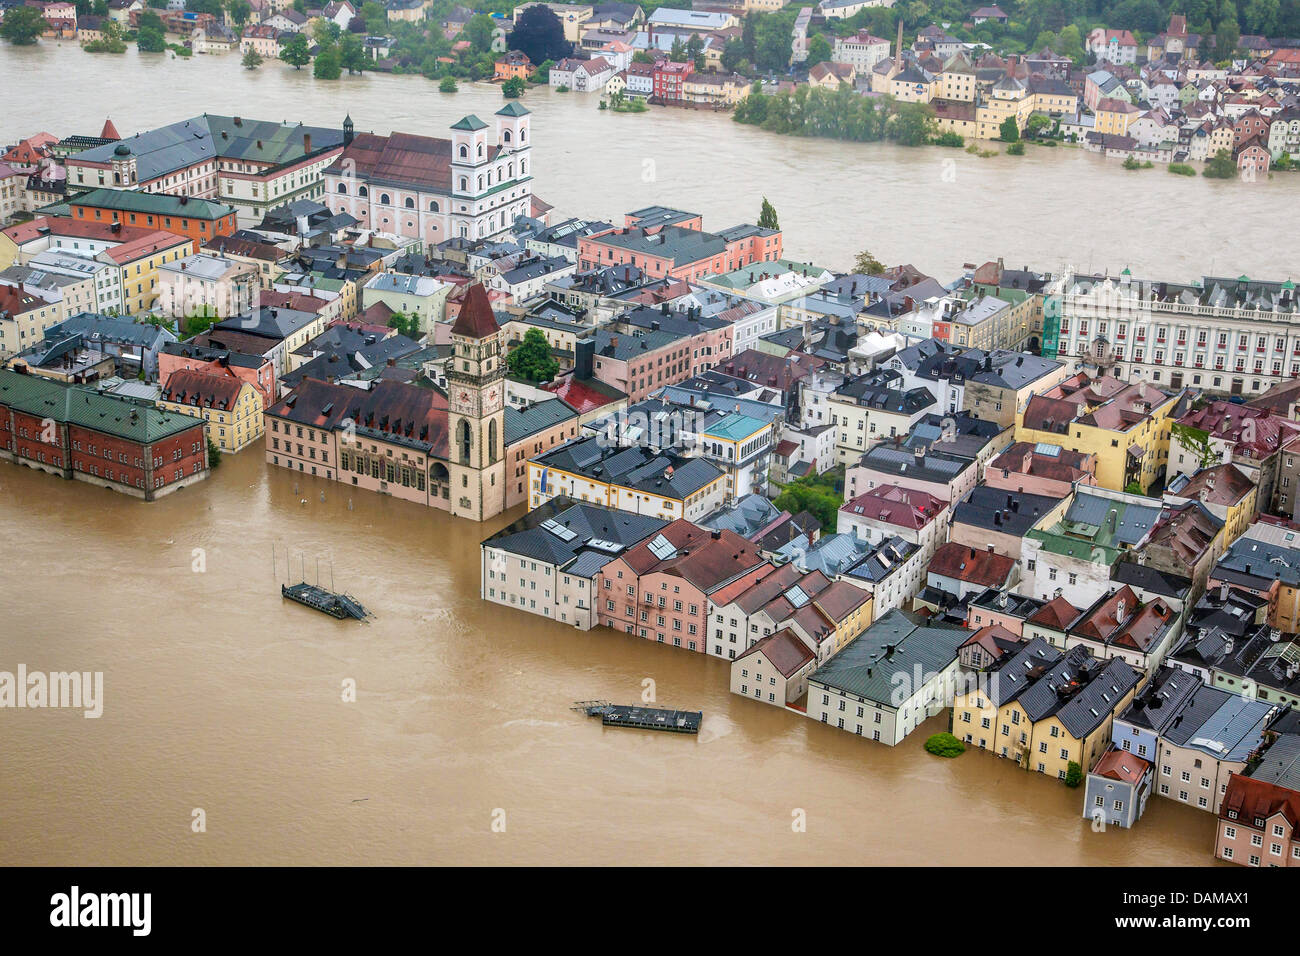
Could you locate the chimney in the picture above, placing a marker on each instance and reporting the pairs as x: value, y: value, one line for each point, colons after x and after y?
x: 306, y: 142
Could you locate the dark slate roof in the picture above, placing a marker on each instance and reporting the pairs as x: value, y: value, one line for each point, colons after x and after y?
x: 579, y: 538
x: 539, y: 416
x: 1018, y: 672
x: 1149, y: 579
x: 1162, y: 699
x: 1000, y: 511
x: 635, y: 467
x: 896, y: 643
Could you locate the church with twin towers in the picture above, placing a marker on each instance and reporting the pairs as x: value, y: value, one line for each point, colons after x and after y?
x: 472, y: 184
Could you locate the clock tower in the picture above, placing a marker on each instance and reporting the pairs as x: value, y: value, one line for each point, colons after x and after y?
x: 476, y: 373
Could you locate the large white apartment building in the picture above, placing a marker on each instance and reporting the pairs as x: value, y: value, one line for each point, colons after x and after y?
x: 1234, y: 336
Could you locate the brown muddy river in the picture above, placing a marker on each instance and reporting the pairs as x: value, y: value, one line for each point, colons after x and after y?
x: 220, y: 695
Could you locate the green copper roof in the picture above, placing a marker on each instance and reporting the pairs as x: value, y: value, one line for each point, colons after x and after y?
x: 470, y: 123
x: 86, y: 407
x: 160, y: 204
x: 512, y: 109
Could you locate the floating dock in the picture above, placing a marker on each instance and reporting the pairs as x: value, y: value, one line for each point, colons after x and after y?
x: 642, y: 718
x: 335, y: 605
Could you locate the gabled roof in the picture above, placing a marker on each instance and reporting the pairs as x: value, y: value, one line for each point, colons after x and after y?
x: 784, y: 651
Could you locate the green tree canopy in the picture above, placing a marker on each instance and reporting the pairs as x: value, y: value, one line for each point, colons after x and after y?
x: 819, y: 50
x: 513, y: 88
x: 252, y: 59
x: 867, y: 264
x: 328, y: 65
x: 296, y: 52
x: 22, y: 26
x: 1009, y: 130
x: 540, y: 35
x: 479, y: 32
x: 531, y: 359
x: 767, y: 216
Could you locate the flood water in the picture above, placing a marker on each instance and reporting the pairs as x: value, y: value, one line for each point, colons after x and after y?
x: 936, y: 208
x: 222, y: 697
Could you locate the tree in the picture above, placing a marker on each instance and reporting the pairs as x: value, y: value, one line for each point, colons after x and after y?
x: 513, y: 88
x: 374, y: 16
x: 1073, y: 774
x: 945, y: 745
x: 327, y: 65
x: 252, y: 59
x: 239, y: 11
x: 1221, y: 166
x: 819, y: 50
x: 767, y: 216
x: 352, y: 54
x: 204, y: 6
x: 22, y: 26
x: 214, y: 454
x: 296, y: 52
x: 732, y: 55
x: 532, y: 359
x: 479, y: 32
x: 150, y: 35
x: 813, y: 495
x: 448, y: 84
x: 1009, y: 131
x: 867, y: 264
x: 695, y: 50
x: 539, y: 35
x: 408, y: 325
x: 678, y: 51
x: 911, y: 125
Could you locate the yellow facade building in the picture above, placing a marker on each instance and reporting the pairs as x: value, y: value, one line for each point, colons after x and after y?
x: 231, y: 407
x: 1126, y: 426
x: 1044, y: 709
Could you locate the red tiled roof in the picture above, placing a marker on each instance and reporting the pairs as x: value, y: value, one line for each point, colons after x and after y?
x: 905, y: 507
x: 475, y: 318
x: 953, y: 560
x: 1056, y: 613
x: 16, y: 301
x: 1251, y: 798
x: 1121, y: 765
x: 204, y: 388
x: 402, y: 159
x: 784, y: 651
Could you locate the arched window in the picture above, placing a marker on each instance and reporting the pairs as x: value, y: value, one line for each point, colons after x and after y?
x: 505, y: 136
x: 383, y: 199
x: 464, y: 440
x: 480, y: 182
x: 523, y: 133
x: 512, y: 170
x: 464, y: 152
x: 492, y: 440
x: 410, y: 203
x: 464, y: 183
x: 363, y: 192
x: 343, y: 188
x: 433, y: 206
x: 523, y: 167
x: 480, y: 150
